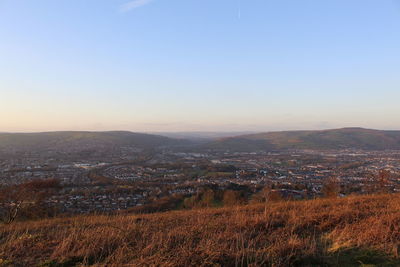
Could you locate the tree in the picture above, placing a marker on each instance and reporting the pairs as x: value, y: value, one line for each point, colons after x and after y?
x: 331, y: 188
x: 26, y: 199
x: 267, y: 194
x: 382, y: 181
x: 378, y: 183
x: 231, y: 198
x: 189, y: 202
x: 208, y: 198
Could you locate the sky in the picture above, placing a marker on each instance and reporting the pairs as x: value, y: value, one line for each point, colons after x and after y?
x: 199, y: 65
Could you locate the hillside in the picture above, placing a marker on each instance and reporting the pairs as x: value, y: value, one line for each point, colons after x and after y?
x: 351, y: 231
x: 356, y: 138
x: 88, y: 140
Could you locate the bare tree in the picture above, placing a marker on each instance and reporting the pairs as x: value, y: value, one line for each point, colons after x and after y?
x: 26, y: 198
x: 266, y: 195
x: 378, y: 183
x: 208, y: 198
x: 231, y: 198
x: 383, y: 181
x: 331, y: 188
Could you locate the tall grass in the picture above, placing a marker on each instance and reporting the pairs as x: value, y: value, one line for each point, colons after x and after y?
x: 323, y: 232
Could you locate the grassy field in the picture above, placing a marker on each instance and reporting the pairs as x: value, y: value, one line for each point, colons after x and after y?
x: 353, y: 231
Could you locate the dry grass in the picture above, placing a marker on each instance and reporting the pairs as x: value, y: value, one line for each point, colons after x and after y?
x: 321, y: 232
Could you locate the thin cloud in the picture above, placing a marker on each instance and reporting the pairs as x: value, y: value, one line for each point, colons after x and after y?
x: 134, y: 4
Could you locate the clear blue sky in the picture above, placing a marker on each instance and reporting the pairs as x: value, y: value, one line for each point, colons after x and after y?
x: 190, y: 65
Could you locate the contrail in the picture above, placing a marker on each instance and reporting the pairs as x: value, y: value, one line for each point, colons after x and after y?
x: 133, y: 4
x: 239, y: 9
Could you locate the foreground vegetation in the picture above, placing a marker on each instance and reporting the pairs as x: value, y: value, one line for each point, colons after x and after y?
x: 353, y: 231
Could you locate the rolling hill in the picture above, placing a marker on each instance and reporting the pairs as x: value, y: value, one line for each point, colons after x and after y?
x: 63, y: 141
x: 356, y: 138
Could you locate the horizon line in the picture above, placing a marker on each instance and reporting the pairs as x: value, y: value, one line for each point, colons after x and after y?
x: 188, y: 132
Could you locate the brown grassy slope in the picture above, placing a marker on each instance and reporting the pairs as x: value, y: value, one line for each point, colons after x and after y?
x: 314, y: 233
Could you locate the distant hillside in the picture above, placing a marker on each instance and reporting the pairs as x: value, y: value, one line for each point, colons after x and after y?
x: 200, y: 136
x: 357, y: 138
x: 87, y: 140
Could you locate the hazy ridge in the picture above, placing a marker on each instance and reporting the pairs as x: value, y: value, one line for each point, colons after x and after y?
x: 352, y: 138
x: 356, y: 138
